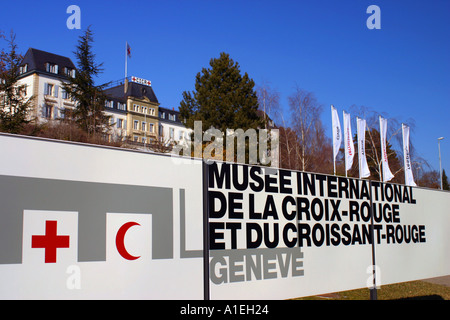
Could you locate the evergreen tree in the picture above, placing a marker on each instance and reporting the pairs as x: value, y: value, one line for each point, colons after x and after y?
x: 445, y: 185
x: 14, y: 105
x: 223, y: 98
x: 89, y: 98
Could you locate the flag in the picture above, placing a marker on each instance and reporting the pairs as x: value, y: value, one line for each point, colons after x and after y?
x: 364, y: 171
x: 387, y: 174
x: 128, y: 50
x: 409, y: 179
x: 349, y: 148
x: 337, y: 133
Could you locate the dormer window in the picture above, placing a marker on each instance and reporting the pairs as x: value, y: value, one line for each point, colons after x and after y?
x: 121, y: 106
x: 109, y: 104
x: 52, y: 68
x: 69, y: 72
x: 23, y: 69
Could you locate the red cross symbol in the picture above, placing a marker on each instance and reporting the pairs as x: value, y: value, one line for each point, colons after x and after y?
x: 50, y: 241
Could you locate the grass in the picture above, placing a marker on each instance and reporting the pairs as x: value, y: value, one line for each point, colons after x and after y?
x: 413, y: 290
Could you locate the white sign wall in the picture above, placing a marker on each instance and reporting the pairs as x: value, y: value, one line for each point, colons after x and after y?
x: 88, y: 222
x: 80, y: 221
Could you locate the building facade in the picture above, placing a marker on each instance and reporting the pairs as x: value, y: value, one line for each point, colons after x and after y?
x: 43, y: 73
x: 116, y: 109
x: 171, y: 127
x: 142, y: 107
x: 134, y: 110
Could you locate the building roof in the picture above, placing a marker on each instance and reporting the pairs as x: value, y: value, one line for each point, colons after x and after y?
x: 164, y: 115
x: 37, y: 59
x: 135, y: 90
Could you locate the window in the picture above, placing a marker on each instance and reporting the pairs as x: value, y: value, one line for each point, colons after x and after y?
x: 69, y: 72
x: 136, y: 107
x: 163, y: 115
x: 171, y: 133
x: 47, y: 111
x: 144, y: 109
x: 136, y: 125
x: 48, y: 89
x: 135, y: 138
x: 144, y: 126
x: 171, y: 117
x: 119, y: 123
x: 23, y: 68
x: 64, y: 94
x: 152, y: 127
x: 151, y: 111
x: 52, y: 68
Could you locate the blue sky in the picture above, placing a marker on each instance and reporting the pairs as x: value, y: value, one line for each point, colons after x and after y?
x: 323, y: 46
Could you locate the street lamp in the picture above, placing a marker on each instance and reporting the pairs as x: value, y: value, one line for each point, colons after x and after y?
x: 440, y: 165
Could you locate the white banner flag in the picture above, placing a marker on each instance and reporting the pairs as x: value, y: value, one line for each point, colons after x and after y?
x: 337, y: 133
x: 409, y: 179
x: 387, y: 174
x: 364, y: 171
x: 348, y: 141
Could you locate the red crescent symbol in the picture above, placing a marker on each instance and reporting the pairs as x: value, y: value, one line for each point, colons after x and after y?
x: 120, y: 240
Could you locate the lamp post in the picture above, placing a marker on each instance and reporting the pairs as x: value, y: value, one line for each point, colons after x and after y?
x: 440, y: 165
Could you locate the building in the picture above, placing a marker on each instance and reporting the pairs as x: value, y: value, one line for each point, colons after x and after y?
x: 131, y: 103
x: 139, y: 99
x: 171, y: 126
x: 116, y: 109
x: 43, y: 73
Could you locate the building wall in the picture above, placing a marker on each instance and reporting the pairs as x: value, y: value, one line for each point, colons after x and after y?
x: 48, y: 103
x: 171, y: 128
x: 173, y: 132
x: 142, y: 120
x: 118, y: 121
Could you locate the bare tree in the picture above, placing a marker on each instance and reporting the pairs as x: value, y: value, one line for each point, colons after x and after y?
x: 288, y: 146
x: 269, y: 102
x: 305, y: 113
x: 394, y: 144
x: 429, y: 179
